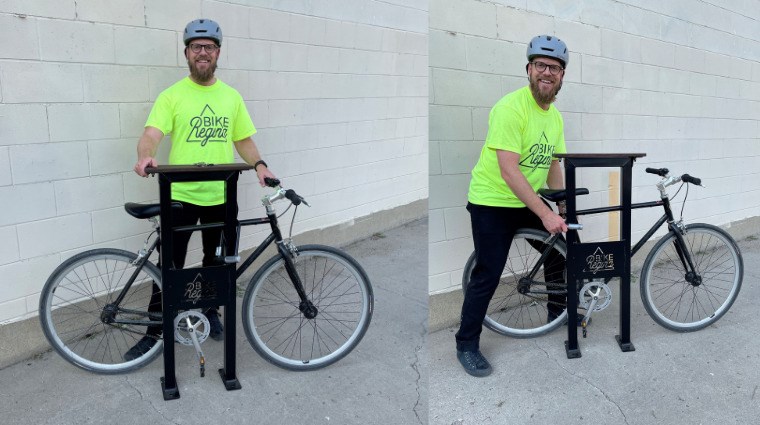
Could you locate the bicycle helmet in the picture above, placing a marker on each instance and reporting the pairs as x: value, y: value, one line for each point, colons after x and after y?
x: 548, y: 46
x: 203, y: 28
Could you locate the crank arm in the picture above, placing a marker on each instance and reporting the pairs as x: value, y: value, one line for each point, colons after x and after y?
x: 193, y: 335
x: 587, y: 317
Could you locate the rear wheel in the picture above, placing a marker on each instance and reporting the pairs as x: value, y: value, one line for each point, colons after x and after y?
x: 526, y: 315
x: 74, y: 313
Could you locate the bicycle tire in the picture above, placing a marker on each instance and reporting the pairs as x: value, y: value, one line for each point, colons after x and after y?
x: 679, y: 305
x: 72, y: 301
x: 279, y: 332
x: 514, y: 314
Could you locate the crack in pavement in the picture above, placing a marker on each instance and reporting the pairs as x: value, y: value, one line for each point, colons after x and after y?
x: 609, y: 399
x: 150, y: 402
x: 416, y: 368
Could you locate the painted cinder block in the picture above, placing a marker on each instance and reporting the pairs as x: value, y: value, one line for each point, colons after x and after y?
x: 579, y: 37
x: 464, y: 16
x: 145, y: 46
x: 114, y: 223
x: 5, y: 166
x: 49, y: 161
x: 459, y: 157
x: 23, y: 31
x: 46, y: 8
x: 71, y: 231
x: 124, y: 12
x: 9, y: 248
x: 85, y: 121
x: 35, y: 82
x: 460, y: 88
x: 88, y: 194
x: 22, y: 124
x: 448, y: 190
x: 69, y: 41
x: 450, y: 123
x: 495, y: 56
x: 111, y: 83
x: 172, y: 15
x: 233, y: 18
x: 514, y: 24
x: 27, y: 203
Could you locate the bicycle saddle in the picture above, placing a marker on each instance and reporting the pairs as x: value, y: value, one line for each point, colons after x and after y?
x: 556, y: 195
x: 146, y: 210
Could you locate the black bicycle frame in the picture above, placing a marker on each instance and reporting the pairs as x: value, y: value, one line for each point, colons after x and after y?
x: 680, y: 244
x: 275, y: 236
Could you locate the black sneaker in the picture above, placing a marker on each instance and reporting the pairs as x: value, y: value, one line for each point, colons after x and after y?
x: 474, y: 363
x: 217, y: 330
x: 143, y: 346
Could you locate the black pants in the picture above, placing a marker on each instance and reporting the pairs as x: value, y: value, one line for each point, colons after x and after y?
x: 188, y: 216
x: 493, y: 229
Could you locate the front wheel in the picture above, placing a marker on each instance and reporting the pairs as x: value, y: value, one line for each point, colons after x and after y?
x: 74, y: 310
x: 541, y: 306
x: 683, y: 300
x: 294, y: 337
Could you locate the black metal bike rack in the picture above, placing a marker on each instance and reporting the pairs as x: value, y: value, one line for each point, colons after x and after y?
x: 198, y: 287
x: 596, y: 260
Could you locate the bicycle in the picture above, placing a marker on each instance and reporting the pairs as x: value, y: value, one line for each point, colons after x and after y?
x: 689, y: 280
x: 301, y: 311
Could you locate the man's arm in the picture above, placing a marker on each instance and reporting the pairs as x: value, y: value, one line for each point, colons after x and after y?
x: 250, y: 154
x: 510, y: 172
x: 146, y: 149
x: 555, y: 180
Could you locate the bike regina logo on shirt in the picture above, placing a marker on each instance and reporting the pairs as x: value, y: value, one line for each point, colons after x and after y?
x: 540, y: 154
x: 208, y: 127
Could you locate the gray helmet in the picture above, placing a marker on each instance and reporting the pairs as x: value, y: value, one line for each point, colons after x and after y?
x: 203, y: 28
x: 549, y: 46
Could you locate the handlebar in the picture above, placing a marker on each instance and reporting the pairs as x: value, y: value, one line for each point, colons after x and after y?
x: 669, y: 181
x: 289, y: 194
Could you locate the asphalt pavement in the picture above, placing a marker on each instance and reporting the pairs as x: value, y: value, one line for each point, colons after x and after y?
x: 383, y: 381
x: 711, y: 376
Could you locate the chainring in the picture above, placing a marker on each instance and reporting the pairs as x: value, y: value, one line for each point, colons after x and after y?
x: 199, y: 322
x: 589, y: 291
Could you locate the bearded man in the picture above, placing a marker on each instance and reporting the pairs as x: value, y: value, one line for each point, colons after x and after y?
x: 524, y: 131
x: 205, y: 118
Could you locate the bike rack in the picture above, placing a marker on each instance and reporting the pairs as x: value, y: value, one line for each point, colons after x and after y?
x: 595, y: 260
x: 198, y: 287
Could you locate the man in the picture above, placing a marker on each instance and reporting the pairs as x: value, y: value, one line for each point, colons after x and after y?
x: 205, y: 118
x: 524, y: 131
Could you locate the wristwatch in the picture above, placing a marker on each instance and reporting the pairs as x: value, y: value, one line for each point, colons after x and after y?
x: 259, y: 162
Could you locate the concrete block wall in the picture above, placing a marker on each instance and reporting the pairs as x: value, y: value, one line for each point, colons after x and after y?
x: 677, y: 80
x: 337, y: 89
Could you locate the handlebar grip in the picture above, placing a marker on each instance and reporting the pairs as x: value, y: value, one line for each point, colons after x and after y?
x: 662, y: 172
x: 271, y: 182
x: 293, y: 197
x: 693, y: 180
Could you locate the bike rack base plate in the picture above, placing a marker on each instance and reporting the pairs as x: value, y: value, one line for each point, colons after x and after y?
x: 229, y: 384
x: 169, y: 393
x: 624, y: 346
x: 572, y: 354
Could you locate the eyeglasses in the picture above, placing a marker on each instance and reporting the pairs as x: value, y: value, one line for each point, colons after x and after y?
x: 210, y: 48
x: 541, y: 67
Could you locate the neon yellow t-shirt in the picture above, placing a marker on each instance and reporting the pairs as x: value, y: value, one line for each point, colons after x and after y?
x: 204, y: 122
x: 516, y: 124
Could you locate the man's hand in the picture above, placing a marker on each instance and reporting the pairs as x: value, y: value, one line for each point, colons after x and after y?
x: 261, y: 172
x: 146, y: 150
x: 553, y: 223
x: 142, y: 163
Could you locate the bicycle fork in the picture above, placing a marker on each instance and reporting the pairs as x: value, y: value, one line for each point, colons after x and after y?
x: 288, y: 252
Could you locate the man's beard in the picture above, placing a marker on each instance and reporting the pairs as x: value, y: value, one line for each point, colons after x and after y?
x: 202, y: 76
x: 541, y: 98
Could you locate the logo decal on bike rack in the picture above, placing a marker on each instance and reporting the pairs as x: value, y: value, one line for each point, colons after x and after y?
x: 600, y: 261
